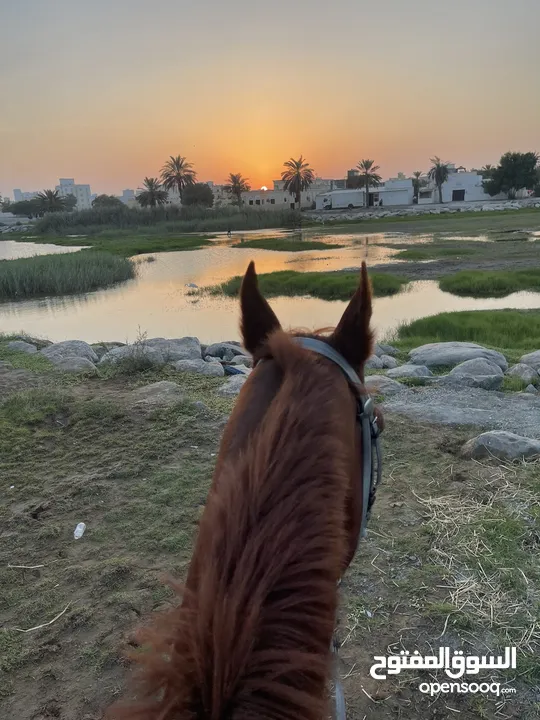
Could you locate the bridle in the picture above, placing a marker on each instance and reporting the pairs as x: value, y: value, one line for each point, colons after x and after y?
x: 371, y: 473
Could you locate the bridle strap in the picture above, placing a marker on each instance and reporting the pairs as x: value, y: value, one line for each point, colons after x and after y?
x: 366, y: 417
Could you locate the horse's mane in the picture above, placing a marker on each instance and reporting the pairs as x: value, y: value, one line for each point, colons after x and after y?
x: 252, y: 637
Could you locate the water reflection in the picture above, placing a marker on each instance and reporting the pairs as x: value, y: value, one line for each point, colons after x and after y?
x: 157, y: 301
x: 10, y: 249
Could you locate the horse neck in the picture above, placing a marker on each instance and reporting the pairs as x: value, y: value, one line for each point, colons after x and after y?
x: 271, y: 546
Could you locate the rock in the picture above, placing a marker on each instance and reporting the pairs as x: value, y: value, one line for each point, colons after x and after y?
x: 246, y: 360
x: 160, y: 394
x: 531, y: 390
x: 211, y: 369
x: 388, y: 362
x: 228, y: 355
x: 409, y: 371
x: 186, y: 348
x: 5, y: 366
x: 524, y: 372
x: 453, y: 353
x: 22, y: 346
x: 382, y: 385
x: 199, y: 405
x: 502, y: 445
x: 532, y: 359
x: 76, y: 365
x: 139, y: 354
x: 382, y: 349
x: 233, y: 385
x: 220, y: 349
x: 210, y: 359
x: 477, y: 372
x: 101, y: 348
x: 69, y: 348
x: 374, y: 363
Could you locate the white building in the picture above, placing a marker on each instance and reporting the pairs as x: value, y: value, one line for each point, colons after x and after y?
x: 81, y: 193
x: 280, y: 199
x: 19, y: 195
x: 391, y: 193
x: 461, y: 186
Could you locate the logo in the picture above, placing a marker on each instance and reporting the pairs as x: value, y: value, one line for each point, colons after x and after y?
x: 455, y: 665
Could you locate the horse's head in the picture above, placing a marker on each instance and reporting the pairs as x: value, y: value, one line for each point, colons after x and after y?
x: 352, y: 339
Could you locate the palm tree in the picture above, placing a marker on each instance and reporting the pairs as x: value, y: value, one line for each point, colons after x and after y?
x: 417, y: 183
x: 438, y: 173
x: 177, y: 173
x: 236, y: 186
x: 51, y: 201
x: 298, y: 176
x: 370, y: 176
x: 487, y: 171
x: 152, y: 193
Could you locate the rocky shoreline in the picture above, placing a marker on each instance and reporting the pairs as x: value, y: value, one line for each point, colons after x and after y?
x: 454, y: 383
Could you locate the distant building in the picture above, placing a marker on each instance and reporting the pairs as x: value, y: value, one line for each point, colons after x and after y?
x: 461, y: 186
x: 81, y: 193
x: 128, y: 196
x: 280, y: 199
x: 395, y: 191
x: 19, y: 195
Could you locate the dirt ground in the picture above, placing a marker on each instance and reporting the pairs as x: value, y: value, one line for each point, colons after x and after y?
x: 450, y: 557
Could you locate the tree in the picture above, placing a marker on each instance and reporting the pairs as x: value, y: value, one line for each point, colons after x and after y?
x: 487, y: 171
x: 298, y: 176
x: 70, y: 202
x: 236, y: 186
x: 438, y: 173
x: 369, y: 176
x: 198, y: 194
x: 5, y: 204
x: 515, y: 171
x: 106, y: 201
x: 177, y: 174
x: 417, y: 183
x: 27, y: 208
x: 152, y: 193
x: 51, y: 201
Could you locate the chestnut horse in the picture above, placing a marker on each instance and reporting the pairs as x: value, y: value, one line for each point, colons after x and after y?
x: 252, y: 636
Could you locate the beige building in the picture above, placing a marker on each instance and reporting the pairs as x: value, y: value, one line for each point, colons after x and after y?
x: 280, y: 199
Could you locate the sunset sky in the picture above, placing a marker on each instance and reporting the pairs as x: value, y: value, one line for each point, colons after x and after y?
x: 105, y: 90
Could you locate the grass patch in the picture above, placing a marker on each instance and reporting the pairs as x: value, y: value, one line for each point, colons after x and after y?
x: 165, y: 220
x: 286, y: 245
x: 126, y: 243
x: 431, y: 252
x: 323, y: 285
x: 518, y: 330
x: 21, y: 360
x: 62, y: 274
x: 496, y: 283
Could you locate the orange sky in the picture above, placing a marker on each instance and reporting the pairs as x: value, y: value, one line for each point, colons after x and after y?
x: 105, y: 92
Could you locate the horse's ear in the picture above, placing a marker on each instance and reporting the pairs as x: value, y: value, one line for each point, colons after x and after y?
x: 353, y: 337
x: 258, y: 318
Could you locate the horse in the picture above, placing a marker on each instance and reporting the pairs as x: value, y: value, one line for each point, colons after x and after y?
x: 252, y: 635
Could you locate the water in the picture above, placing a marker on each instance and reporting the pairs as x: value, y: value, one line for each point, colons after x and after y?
x: 157, y: 301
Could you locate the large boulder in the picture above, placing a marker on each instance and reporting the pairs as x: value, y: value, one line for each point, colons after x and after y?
x: 532, y: 359
x: 502, y: 445
x: 224, y: 349
x: 246, y: 360
x: 76, y: 365
x: 69, y: 348
x: 139, y: 354
x: 410, y: 371
x: 388, y: 362
x: 477, y: 372
x: 157, y: 395
x: 233, y: 385
x: 383, y: 349
x: 22, y: 346
x: 211, y: 369
x: 524, y: 372
x: 382, y: 385
x: 102, y: 348
x: 186, y: 348
x: 374, y: 363
x: 449, y: 354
